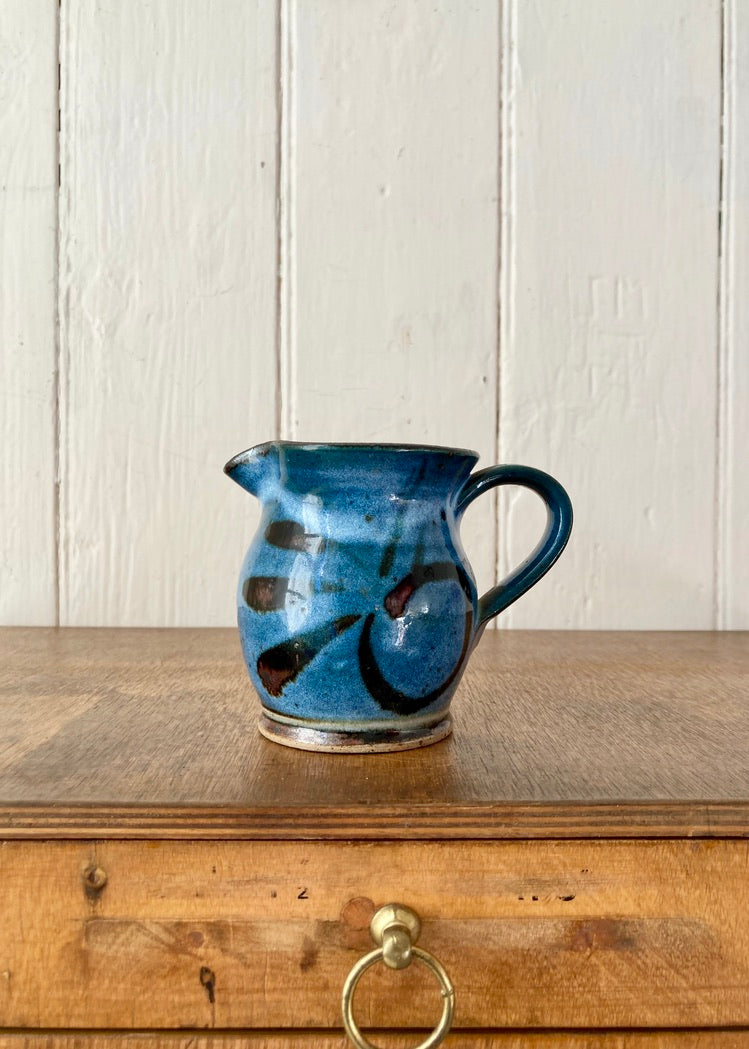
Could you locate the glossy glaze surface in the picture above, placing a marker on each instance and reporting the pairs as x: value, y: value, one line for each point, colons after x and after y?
x: 357, y: 608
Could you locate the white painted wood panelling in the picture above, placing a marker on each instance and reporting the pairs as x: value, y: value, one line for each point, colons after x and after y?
x: 733, y: 502
x: 167, y: 307
x: 391, y: 119
x: 28, y: 249
x: 609, y: 291
x: 508, y: 224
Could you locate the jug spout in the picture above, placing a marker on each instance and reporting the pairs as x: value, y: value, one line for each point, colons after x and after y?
x: 255, y: 469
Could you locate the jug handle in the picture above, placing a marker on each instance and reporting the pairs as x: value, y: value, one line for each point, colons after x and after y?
x: 553, y: 541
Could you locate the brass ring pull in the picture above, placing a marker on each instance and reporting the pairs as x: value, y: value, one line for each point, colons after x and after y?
x: 396, y: 928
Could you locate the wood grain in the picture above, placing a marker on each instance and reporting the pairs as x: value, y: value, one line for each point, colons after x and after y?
x: 168, y: 286
x: 392, y: 238
x: 152, y: 733
x: 610, y: 273
x: 731, y: 1039
x: 251, y: 934
x: 28, y: 264
x: 733, y: 507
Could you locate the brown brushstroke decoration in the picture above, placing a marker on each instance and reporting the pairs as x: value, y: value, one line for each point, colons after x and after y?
x: 279, y: 665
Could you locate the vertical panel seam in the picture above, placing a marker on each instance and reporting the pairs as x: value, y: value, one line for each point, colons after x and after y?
x: 286, y: 221
x: 722, y: 495
x: 278, y: 216
x: 64, y: 200
x: 506, y: 268
x: 56, y: 322
x: 498, y: 341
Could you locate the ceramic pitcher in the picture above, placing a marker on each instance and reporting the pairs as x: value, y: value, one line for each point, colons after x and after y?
x: 357, y: 607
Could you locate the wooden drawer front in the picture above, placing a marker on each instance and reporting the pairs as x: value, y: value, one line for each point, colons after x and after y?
x: 262, y: 934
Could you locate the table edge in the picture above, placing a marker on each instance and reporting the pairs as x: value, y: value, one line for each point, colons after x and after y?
x: 495, y: 821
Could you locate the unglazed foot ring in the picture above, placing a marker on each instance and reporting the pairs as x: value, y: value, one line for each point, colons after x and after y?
x: 353, y: 741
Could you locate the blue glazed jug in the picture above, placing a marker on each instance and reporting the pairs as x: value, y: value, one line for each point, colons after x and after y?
x: 357, y: 607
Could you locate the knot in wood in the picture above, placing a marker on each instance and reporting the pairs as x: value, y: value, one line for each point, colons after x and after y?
x: 94, y: 880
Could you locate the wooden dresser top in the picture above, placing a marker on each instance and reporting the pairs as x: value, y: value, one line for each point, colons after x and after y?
x: 152, y: 733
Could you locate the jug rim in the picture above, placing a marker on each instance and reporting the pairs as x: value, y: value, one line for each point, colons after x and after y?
x: 374, y: 446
